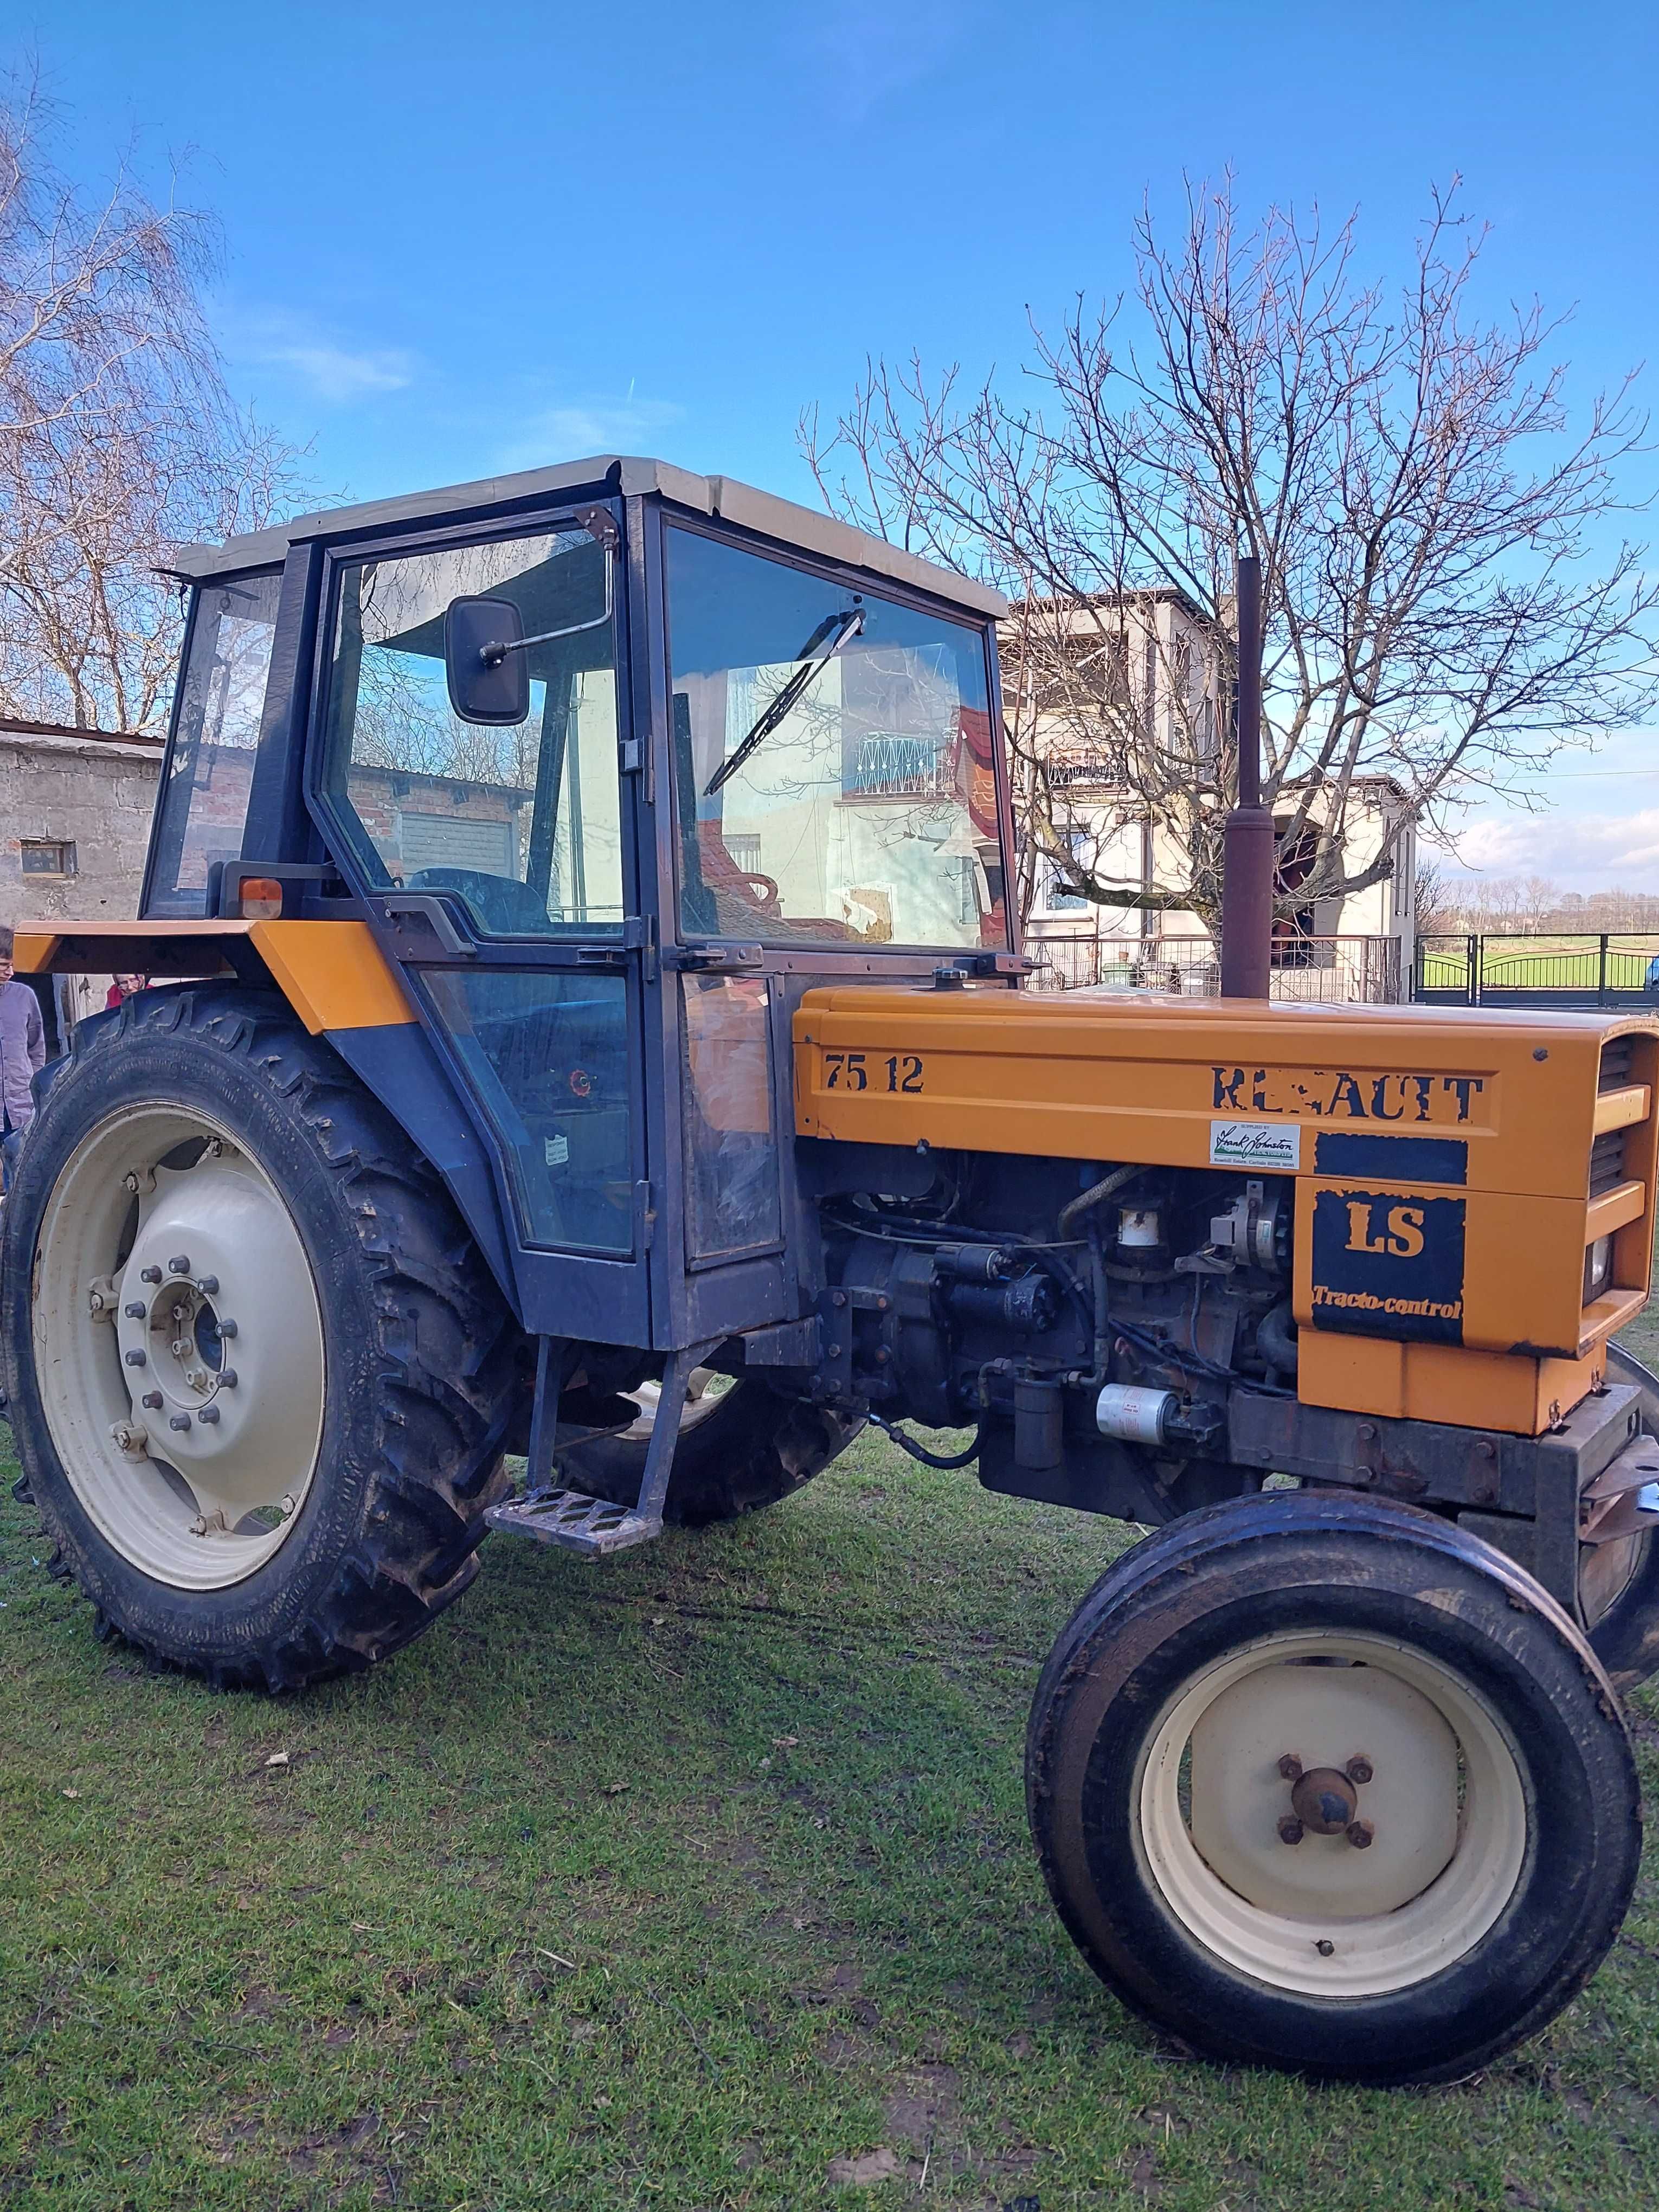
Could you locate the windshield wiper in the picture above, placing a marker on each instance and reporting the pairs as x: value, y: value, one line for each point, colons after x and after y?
x: 831, y: 634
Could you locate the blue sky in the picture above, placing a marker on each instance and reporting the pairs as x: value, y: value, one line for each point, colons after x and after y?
x: 460, y: 239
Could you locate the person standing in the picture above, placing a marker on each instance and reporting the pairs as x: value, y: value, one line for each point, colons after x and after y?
x: 23, y: 1055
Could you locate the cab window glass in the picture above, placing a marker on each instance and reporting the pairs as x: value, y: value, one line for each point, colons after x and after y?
x: 522, y: 823
x: 546, y: 1052
x: 209, y: 770
x: 833, y: 758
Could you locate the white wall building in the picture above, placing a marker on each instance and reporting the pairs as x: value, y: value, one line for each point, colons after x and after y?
x: 1357, y: 947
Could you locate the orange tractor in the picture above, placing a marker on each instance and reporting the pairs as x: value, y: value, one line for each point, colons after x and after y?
x: 595, y: 1037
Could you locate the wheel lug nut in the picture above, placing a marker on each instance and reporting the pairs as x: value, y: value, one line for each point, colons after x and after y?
x: 134, y: 1310
x: 1360, y: 1770
x: 152, y: 1400
x: 1290, y: 1767
x: 180, y: 1266
x: 136, y: 1358
x: 178, y: 1421
x: 207, y: 1284
x: 150, y: 1274
x: 1290, y: 1829
x: 228, y: 1378
x: 1360, y: 1833
x: 209, y: 1414
x: 227, y: 1329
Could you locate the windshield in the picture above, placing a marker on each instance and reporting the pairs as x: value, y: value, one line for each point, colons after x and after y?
x: 833, y: 760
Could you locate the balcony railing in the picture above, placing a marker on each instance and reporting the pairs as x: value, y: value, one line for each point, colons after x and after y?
x: 899, y: 767
x: 1314, y: 970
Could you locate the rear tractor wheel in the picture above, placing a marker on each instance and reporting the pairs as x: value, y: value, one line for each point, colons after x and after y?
x: 261, y: 1379
x: 1330, y: 1785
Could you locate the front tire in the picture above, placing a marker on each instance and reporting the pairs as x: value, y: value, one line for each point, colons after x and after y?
x: 262, y: 1380
x: 1471, y: 1830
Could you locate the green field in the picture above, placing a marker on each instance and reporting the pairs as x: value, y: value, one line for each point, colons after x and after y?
x: 681, y: 1881
x: 1544, y: 964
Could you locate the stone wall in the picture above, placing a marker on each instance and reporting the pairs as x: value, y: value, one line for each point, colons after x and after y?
x: 94, y: 792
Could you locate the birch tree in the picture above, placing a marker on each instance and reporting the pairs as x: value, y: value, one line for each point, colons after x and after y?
x: 117, y: 436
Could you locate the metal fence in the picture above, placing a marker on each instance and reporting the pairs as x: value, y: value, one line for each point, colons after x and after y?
x: 1538, y: 969
x: 1349, y: 971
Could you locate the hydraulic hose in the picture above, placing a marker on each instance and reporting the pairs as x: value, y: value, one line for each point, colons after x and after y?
x: 919, y: 1451
x: 1095, y: 1195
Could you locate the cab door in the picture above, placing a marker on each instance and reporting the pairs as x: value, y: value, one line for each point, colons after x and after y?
x: 498, y: 861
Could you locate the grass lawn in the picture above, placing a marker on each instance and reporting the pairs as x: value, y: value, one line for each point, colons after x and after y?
x: 1569, y: 964
x: 669, y: 1882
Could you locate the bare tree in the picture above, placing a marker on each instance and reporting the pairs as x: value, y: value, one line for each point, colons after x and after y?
x: 1404, y: 470
x: 117, y: 437
x: 1435, y: 905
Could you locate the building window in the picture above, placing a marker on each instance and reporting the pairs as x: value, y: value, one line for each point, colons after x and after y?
x: 745, y: 851
x: 48, y: 856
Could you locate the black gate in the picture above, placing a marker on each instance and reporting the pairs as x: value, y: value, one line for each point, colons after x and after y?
x: 1539, y: 968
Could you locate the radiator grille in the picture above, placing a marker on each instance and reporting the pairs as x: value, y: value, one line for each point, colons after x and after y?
x: 1607, y: 1164
x: 1618, y: 1062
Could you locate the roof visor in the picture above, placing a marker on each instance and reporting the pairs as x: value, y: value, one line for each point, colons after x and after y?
x: 629, y: 476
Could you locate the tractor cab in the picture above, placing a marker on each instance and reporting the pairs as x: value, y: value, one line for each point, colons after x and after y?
x: 613, y: 761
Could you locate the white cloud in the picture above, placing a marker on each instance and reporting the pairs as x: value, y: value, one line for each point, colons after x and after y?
x: 862, y: 53
x: 570, y: 432
x: 337, y: 373
x: 1586, y: 851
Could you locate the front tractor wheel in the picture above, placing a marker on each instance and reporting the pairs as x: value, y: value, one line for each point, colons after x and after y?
x: 261, y: 1379
x: 1330, y: 1785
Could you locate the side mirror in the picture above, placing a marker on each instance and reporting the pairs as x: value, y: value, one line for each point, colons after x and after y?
x: 484, y: 662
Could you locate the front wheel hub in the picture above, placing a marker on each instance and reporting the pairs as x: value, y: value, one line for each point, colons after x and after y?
x: 1325, y: 1801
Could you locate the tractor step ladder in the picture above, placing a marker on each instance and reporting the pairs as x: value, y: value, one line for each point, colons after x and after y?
x: 595, y: 1526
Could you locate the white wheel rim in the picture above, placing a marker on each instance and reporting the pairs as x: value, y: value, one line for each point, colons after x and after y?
x: 203, y: 1488
x: 1324, y: 1917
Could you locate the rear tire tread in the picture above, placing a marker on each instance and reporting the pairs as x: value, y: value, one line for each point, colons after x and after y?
x: 419, y: 1527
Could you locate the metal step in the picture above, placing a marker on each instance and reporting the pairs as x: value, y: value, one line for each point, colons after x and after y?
x: 592, y: 1526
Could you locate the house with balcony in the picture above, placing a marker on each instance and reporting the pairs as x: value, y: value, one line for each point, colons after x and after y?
x: 1138, y: 669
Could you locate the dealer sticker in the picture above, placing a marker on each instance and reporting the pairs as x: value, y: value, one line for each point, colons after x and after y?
x: 1256, y: 1144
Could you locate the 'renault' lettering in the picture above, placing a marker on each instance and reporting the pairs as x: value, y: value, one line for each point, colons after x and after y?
x: 1337, y: 1095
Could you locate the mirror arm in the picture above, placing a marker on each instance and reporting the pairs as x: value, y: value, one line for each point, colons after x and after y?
x: 496, y: 651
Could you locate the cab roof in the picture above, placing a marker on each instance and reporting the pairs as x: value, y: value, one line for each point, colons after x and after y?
x: 626, y: 474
